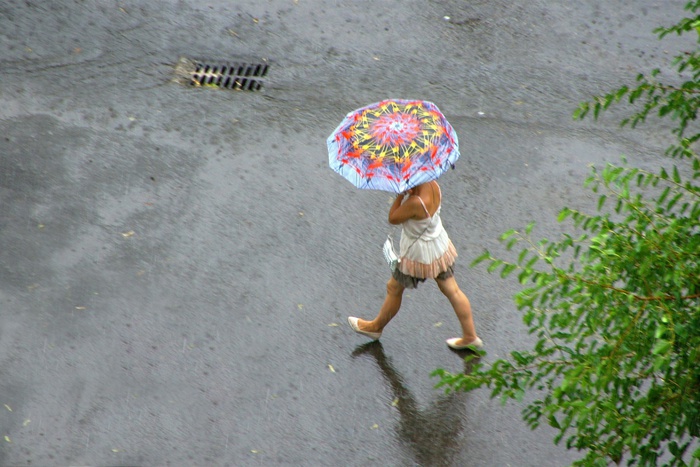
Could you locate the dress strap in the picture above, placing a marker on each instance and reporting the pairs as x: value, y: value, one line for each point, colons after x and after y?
x: 424, y: 208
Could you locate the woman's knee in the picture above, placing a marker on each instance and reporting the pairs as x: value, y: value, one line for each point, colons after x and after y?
x: 393, y: 287
x: 448, y: 286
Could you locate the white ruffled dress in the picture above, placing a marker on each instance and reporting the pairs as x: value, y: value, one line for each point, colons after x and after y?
x: 425, y: 249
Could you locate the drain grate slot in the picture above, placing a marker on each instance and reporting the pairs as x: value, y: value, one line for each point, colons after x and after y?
x: 226, y: 75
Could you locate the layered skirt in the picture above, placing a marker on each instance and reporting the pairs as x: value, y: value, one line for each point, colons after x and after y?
x: 422, y: 259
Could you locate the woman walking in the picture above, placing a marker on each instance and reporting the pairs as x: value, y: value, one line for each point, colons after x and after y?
x: 426, y: 252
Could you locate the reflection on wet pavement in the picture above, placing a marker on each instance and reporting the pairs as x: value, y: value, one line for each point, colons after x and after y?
x: 430, y: 434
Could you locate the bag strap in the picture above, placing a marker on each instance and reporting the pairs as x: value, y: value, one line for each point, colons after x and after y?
x: 417, y: 238
x: 393, y: 229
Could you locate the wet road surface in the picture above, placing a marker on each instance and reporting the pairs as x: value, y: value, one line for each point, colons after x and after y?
x: 177, y: 263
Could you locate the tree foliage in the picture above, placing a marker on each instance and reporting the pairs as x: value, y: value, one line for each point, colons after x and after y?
x: 615, y: 307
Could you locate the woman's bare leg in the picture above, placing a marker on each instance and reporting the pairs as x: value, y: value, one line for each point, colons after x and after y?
x: 462, y: 307
x: 391, y: 306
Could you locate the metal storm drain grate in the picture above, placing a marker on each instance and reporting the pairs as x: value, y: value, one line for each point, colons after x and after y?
x: 226, y: 75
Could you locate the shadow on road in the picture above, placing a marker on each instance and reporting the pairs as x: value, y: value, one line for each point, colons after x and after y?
x: 430, y: 434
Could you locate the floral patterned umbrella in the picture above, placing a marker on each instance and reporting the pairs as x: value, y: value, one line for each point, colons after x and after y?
x: 393, y: 145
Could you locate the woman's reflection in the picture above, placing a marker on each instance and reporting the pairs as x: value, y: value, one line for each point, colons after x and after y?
x: 431, y: 433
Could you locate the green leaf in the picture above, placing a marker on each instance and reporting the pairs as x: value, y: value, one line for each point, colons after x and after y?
x: 563, y: 214
x: 507, y: 270
x: 481, y: 258
x: 519, y: 358
x: 601, y: 201
x: 661, y: 347
x: 522, y: 256
x: 507, y: 234
x: 524, y: 276
x: 528, y: 228
x: 518, y: 395
x: 495, y: 264
x: 553, y: 422
x: 673, y: 201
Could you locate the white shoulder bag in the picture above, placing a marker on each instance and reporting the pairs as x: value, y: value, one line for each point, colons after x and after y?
x: 390, y: 254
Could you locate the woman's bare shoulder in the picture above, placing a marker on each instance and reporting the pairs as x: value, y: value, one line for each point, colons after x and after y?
x: 431, y: 197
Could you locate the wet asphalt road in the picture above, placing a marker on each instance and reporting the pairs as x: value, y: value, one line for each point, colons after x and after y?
x: 177, y: 263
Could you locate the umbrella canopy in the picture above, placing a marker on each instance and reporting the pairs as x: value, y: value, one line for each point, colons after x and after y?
x: 393, y: 145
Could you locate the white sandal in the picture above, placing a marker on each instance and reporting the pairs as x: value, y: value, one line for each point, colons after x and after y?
x: 352, y: 321
x: 475, y: 344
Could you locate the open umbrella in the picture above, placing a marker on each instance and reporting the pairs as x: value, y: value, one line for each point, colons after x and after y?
x: 393, y: 145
